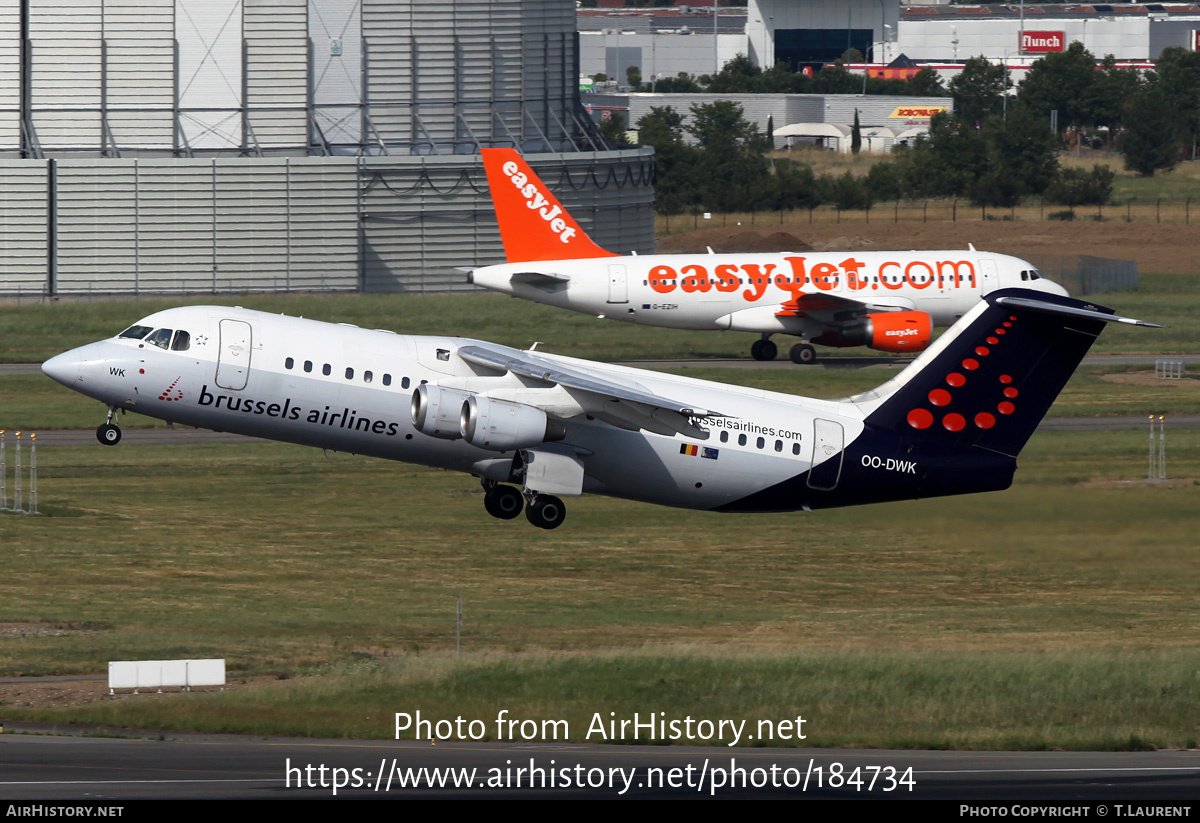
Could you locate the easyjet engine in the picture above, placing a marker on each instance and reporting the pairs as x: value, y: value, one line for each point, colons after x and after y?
x: 893, y: 331
x: 500, y: 425
x: 435, y: 411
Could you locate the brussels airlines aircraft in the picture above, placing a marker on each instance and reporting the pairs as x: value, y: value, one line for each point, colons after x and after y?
x: 533, y: 425
x: 889, y: 301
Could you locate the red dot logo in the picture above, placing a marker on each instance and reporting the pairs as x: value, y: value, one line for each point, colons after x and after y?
x: 955, y: 379
x: 984, y: 420
x: 1006, y: 408
x: 993, y: 340
x: 939, y: 397
x: 1001, y: 331
x: 1006, y: 378
x: 970, y: 365
x: 920, y: 418
x: 1010, y: 392
x: 954, y: 422
x: 982, y: 351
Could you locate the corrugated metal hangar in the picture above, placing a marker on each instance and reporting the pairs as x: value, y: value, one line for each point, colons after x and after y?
x: 209, y: 145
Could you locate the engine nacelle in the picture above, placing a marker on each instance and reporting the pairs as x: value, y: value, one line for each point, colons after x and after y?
x: 500, y: 425
x: 893, y: 331
x: 435, y: 411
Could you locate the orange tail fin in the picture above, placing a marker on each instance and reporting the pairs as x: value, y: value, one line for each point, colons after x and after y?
x: 533, y: 224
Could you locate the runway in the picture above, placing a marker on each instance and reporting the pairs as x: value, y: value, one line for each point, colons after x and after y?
x: 41, y: 766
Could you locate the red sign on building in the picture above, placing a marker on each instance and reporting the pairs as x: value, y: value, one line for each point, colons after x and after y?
x: 1043, y: 41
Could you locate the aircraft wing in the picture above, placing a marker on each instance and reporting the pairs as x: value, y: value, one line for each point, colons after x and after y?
x: 624, y: 405
x: 808, y: 303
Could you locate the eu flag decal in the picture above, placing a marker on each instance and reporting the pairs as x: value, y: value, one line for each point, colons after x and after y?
x: 699, y: 451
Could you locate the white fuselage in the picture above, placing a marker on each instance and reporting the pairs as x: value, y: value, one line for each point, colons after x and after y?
x: 349, y: 389
x: 745, y: 292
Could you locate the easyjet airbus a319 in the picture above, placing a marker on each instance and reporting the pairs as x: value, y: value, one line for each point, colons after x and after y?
x: 889, y: 301
x: 535, y: 427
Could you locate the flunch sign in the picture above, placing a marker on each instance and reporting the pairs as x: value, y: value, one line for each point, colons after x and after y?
x: 1042, y: 41
x: 797, y: 275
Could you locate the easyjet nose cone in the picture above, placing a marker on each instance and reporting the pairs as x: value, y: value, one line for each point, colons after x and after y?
x: 63, y: 368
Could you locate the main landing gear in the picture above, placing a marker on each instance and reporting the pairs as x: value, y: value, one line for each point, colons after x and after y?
x: 764, y: 349
x: 505, y: 502
x: 803, y: 354
x: 109, y: 433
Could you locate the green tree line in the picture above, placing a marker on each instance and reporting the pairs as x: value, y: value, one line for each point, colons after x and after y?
x: 994, y: 149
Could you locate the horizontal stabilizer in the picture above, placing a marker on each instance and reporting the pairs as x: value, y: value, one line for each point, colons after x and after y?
x: 1030, y: 304
x: 540, y: 278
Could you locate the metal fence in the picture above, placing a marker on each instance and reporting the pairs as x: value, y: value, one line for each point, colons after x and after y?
x: 1083, y: 274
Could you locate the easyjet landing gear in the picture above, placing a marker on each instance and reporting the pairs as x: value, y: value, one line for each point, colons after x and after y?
x: 109, y: 433
x: 503, y: 502
x: 803, y: 354
x: 764, y: 349
x: 546, y: 511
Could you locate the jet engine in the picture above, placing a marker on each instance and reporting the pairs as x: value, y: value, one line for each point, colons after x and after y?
x: 893, y: 331
x: 435, y: 411
x: 500, y: 425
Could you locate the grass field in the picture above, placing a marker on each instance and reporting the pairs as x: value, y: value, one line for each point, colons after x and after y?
x: 340, y: 575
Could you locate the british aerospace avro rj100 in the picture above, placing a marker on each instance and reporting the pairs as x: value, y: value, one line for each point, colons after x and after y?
x: 888, y: 301
x: 535, y: 426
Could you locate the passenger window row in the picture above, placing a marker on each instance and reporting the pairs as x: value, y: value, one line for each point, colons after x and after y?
x: 760, y: 442
x: 368, y: 376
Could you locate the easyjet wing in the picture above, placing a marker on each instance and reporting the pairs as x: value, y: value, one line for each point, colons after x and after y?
x: 807, y: 303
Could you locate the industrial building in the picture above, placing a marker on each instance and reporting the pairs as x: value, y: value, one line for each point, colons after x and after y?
x: 168, y: 146
x: 816, y: 32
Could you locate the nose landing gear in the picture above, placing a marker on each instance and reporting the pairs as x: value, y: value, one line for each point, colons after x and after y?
x: 109, y: 433
x: 764, y: 349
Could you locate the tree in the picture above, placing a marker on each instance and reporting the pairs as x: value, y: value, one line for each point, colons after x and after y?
x: 925, y: 83
x: 1066, y: 82
x: 613, y: 129
x: 856, y: 136
x: 730, y: 159
x: 736, y: 76
x: 633, y: 75
x: 835, y: 80
x: 1022, y: 152
x: 1076, y: 187
x: 683, y: 83
x: 675, y: 185
x: 1153, y: 133
x: 1177, y: 76
x: 978, y: 90
x: 848, y: 192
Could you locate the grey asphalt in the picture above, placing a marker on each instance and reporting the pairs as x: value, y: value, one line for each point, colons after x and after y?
x: 103, y: 766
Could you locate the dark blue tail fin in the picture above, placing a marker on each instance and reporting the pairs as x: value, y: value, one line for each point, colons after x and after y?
x: 990, y: 380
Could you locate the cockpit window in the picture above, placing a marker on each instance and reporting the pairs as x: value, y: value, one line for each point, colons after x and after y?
x: 182, y: 341
x: 135, y: 332
x: 1035, y: 275
x: 160, y: 338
